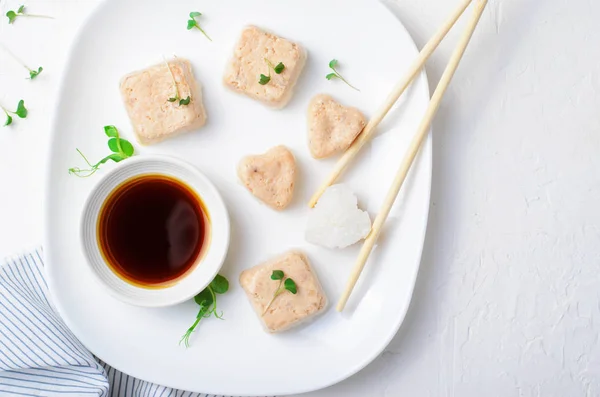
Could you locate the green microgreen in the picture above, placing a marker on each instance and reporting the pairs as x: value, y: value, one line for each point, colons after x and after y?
x: 278, y: 69
x: 177, y: 97
x: 207, y: 300
x: 21, y: 112
x: 12, y: 15
x: 285, y: 284
x: 336, y: 75
x: 264, y: 79
x: 121, y: 149
x: 193, y: 23
x: 32, y: 72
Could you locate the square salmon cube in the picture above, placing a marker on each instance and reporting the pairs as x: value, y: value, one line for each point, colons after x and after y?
x: 146, y: 94
x: 256, y: 53
x: 287, y: 310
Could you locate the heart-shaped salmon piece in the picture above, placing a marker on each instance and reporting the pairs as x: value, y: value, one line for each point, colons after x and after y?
x: 332, y: 127
x: 270, y: 176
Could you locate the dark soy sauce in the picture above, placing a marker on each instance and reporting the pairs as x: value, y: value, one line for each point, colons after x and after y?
x: 152, y: 230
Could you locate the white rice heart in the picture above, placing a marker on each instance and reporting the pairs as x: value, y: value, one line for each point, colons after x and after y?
x: 336, y: 221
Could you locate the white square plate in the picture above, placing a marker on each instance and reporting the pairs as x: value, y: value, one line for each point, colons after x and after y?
x: 235, y: 356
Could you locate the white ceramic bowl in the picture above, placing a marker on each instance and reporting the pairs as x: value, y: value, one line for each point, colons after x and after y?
x: 211, y: 260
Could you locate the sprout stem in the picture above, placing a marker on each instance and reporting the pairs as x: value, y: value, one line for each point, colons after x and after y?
x: 36, y: 16
x: 344, y: 80
x: 13, y: 56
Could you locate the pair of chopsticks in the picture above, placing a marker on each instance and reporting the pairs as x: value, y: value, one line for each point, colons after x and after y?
x: 420, y: 135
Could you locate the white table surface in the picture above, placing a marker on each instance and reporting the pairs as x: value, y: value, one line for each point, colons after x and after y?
x: 507, y: 299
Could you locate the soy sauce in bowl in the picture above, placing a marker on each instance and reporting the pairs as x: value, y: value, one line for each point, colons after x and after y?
x: 153, y: 230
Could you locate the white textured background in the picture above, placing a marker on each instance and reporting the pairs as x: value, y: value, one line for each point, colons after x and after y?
x: 508, y: 297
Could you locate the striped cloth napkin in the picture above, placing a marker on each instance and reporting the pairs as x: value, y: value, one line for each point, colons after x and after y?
x: 39, y: 356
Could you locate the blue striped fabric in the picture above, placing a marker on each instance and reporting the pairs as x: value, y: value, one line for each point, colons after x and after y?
x: 39, y: 356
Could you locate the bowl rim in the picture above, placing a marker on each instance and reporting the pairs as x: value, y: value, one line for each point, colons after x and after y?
x: 177, y: 293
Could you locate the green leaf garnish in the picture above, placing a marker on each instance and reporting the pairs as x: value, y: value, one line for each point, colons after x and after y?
x: 121, y: 149
x: 332, y: 64
x: 126, y: 148
x: 277, y: 69
x: 113, y: 146
x: 207, y: 300
x: 193, y: 23
x: 285, y: 284
x: 121, y: 146
x: 34, y: 73
x: 172, y: 99
x: 185, y: 101
x: 111, y: 131
x: 264, y: 79
x: 277, y: 275
x: 290, y: 285
x: 21, y: 112
x: 220, y: 284
x: 12, y: 15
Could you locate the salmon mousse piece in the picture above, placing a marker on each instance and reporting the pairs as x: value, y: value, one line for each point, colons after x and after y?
x: 278, y: 60
x: 279, y: 303
x: 163, y: 101
x: 270, y: 177
x: 332, y: 127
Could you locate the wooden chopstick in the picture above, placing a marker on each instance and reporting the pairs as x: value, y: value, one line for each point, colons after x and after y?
x: 413, y: 149
x: 398, y: 90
